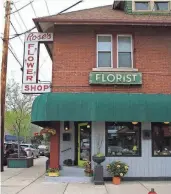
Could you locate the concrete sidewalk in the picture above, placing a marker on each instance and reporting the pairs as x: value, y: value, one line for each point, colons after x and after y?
x: 32, y: 181
x: 14, y: 180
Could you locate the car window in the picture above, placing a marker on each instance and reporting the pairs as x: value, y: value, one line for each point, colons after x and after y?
x: 24, y: 146
x: 31, y: 146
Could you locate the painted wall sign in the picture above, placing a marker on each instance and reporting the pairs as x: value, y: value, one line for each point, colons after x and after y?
x: 120, y: 78
x: 38, y: 37
x: 38, y: 88
x: 30, y: 62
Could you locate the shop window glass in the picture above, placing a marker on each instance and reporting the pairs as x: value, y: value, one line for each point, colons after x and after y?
x: 124, y: 51
x: 161, y: 139
x: 123, y: 139
x: 161, y: 6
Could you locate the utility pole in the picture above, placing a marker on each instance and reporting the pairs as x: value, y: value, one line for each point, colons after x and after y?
x: 4, y: 74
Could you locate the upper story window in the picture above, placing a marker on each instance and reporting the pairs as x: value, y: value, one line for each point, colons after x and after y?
x: 142, y: 6
x: 161, y: 6
x: 104, y: 51
x: 125, y: 58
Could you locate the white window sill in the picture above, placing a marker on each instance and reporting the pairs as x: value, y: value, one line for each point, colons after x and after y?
x: 114, y: 69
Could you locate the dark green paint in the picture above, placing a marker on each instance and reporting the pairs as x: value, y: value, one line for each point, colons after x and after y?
x: 128, y: 7
x: 101, y: 107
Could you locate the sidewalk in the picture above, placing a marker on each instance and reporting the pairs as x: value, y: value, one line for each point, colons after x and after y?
x: 14, y: 180
x: 31, y: 181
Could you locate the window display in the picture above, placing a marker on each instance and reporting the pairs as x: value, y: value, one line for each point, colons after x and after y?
x: 123, y: 139
x: 161, y: 139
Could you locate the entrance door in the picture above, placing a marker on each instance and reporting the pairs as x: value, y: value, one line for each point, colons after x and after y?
x: 84, y: 143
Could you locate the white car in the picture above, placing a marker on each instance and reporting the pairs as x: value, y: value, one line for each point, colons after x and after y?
x: 43, y: 149
x: 31, y: 150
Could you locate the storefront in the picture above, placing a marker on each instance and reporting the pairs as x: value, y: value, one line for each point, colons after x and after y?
x: 133, y: 128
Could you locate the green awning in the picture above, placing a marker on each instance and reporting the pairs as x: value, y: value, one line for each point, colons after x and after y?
x: 101, y: 107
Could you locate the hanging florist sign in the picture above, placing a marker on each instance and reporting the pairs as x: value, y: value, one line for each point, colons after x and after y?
x: 38, y: 88
x: 38, y: 37
x: 30, y: 62
x: 31, y: 58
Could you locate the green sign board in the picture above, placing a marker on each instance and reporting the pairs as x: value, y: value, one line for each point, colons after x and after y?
x: 116, y: 78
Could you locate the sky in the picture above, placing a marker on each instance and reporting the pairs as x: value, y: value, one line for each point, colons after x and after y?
x: 22, y: 21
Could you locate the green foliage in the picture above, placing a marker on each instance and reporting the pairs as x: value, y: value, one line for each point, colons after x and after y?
x: 11, y: 118
x: 18, y: 109
x: 47, y: 137
x: 117, y: 169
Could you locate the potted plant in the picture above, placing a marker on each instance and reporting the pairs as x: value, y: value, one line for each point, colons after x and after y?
x: 88, y: 171
x: 53, y: 172
x: 99, y: 157
x: 117, y: 169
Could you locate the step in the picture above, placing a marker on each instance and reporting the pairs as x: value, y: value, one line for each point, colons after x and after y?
x: 69, y: 179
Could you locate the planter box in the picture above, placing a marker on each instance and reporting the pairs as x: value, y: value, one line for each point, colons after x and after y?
x: 20, y: 162
x: 53, y: 174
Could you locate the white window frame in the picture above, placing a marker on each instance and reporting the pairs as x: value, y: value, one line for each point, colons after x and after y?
x: 125, y: 35
x: 97, y: 52
x: 161, y: 1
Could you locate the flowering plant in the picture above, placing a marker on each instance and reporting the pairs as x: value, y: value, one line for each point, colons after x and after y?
x: 53, y: 170
x: 117, y: 169
x: 88, y: 171
x: 87, y: 166
x: 48, y: 130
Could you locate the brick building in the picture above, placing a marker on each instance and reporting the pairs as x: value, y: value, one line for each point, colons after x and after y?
x: 111, y: 83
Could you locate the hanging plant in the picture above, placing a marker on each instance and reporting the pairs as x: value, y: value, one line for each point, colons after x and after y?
x: 48, y: 130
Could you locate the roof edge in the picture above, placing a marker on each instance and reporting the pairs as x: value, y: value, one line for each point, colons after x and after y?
x: 102, y: 22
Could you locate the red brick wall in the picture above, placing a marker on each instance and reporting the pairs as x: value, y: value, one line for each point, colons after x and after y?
x: 74, y: 56
x: 55, y: 146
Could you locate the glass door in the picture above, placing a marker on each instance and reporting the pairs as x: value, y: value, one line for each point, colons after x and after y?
x: 84, y: 143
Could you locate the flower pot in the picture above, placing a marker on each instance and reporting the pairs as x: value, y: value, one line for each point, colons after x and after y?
x: 116, y: 180
x: 53, y: 174
x: 98, y: 160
